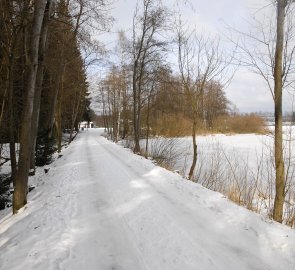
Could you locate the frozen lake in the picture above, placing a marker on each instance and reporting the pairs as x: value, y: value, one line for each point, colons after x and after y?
x: 241, y: 166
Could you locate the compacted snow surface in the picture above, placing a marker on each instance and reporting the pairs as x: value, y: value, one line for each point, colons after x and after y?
x: 101, y: 207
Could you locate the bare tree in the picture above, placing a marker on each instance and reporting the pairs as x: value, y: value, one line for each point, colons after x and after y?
x: 146, y: 44
x: 201, y: 61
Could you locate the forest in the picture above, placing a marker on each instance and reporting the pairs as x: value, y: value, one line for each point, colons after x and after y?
x: 48, y: 48
x: 44, y: 88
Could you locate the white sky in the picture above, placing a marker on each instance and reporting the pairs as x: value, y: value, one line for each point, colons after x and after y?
x: 247, y: 91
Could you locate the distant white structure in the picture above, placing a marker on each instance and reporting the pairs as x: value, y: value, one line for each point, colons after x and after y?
x: 85, y: 124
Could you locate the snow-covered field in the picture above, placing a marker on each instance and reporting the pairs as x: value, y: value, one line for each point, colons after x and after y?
x: 102, y: 207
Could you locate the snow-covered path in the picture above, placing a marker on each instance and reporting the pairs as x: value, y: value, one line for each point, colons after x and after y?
x: 101, y: 207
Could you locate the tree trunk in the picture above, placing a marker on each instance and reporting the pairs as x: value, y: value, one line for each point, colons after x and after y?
x: 118, y: 126
x: 278, y: 140
x: 21, y: 179
x: 75, y: 114
x: 39, y: 82
x: 195, y: 148
x: 11, y: 120
x: 137, y: 133
x: 124, y: 114
x: 58, y: 117
x: 147, y: 127
x: 135, y: 111
x: 136, y: 136
x: 53, y: 102
x: 12, y: 129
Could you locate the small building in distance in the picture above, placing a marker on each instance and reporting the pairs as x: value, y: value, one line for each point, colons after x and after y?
x: 85, y: 124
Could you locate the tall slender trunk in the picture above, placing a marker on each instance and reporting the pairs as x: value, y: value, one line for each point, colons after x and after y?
x: 3, y: 104
x: 110, y: 117
x: 137, y: 138
x: 21, y: 179
x: 58, y: 117
x: 195, y: 148
x: 104, y: 123
x: 136, y: 134
x: 124, y: 113
x: 135, y: 126
x: 75, y: 114
x: 118, y: 126
x: 147, y: 127
x: 39, y: 82
x: 114, y: 116
x: 108, y: 124
x: 104, y: 117
x: 11, y: 121
x: 58, y: 126
x: 278, y: 140
x: 13, y: 163
x: 125, y: 124
x: 53, y: 102
x: 136, y: 112
x: 72, y: 131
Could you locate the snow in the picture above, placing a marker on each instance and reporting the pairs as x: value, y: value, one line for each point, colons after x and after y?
x: 102, y: 207
x: 249, y: 149
x: 246, y: 147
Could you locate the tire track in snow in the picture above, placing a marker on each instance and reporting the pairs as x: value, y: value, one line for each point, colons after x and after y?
x: 103, y: 235
x: 156, y: 220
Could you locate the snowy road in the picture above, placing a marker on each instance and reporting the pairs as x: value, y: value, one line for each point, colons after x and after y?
x: 101, y: 207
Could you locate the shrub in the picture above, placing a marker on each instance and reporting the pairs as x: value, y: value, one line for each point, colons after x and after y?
x: 164, y: 151
x: 249, y: 123
x: 171, y: 126
x: 176, y: 126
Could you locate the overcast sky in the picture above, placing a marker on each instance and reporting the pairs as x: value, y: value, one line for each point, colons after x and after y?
x: 247, y: 91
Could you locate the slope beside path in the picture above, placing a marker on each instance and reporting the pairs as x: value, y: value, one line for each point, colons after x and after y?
x: 101, y: 207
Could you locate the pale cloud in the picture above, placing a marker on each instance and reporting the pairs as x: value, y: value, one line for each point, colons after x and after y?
x: 249, y: 92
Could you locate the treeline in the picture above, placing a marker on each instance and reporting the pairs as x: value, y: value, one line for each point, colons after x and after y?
x: 166, y: 110
x: 43, y: 80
